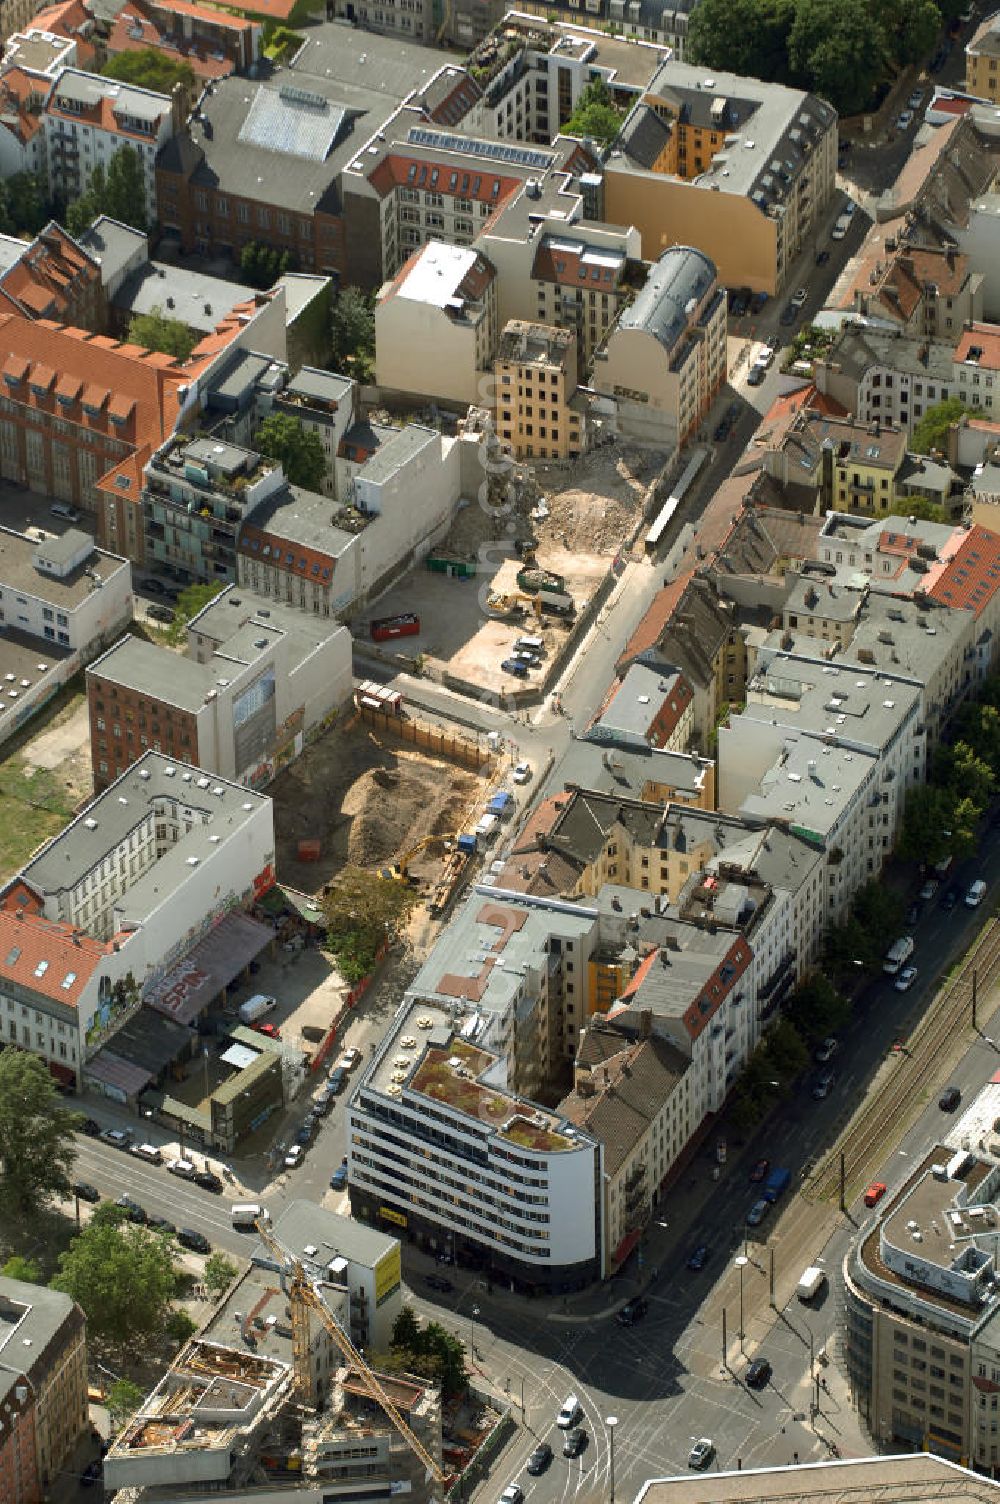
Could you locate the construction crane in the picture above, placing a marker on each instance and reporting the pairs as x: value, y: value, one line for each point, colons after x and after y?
x: 399, y: 872
x: 303, y: 1297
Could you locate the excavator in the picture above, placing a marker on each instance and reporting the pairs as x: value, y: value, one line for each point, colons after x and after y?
x: 399, y: 872
x: 305, y: 1300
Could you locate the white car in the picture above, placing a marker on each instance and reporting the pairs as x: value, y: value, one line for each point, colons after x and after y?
x: 182, y: 1168
x: 799, y: 297
x: 294, y: 1157
x: 916, y: 99
x: 701, y: 1453
x: 840, y: 228
x: 904, y: 120
x: 906, y: 979
x: 522, y: 773
x: 512, y: 1494
x: 349, y: 1059
x: 764, y: 356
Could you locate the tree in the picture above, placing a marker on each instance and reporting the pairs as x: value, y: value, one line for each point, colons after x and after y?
x: 81, y: 213
x: 126, y: 188
x: 219, y: 1273
x: 124, y: 1399
x: 23, y: 206
x: 927, y: 818
x: 816, y: 1008
x: 784, y: 1051
x: 920, y: 507
x: 430, y: 1351
x: 179, y: 1326
x: 596, y: 114
x: 299, y: 449
x: 122, y: 1276
x: 36, y: 1138
x: 363, y: 912
x: 154, y: 331
x: 192, y: 599
x: 932, y: 430
x: 150, y: 68
x: 836, y: 49
x: 23, y: 1269
x: 262, y: 265
x: 743, y: 36
x: 352, y: 333
x: 911, y: 27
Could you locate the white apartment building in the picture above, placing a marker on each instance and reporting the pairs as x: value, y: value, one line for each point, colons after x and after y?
x: 828, y: 752
x: 88, y: 118
x: 131, y: 883
x: 444, y: 300
x: 665, y: 361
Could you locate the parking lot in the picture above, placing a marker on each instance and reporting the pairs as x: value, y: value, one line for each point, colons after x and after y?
x: 308, y: 988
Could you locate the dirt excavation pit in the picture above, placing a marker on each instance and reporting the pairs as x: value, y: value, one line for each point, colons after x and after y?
x: 368, y: 800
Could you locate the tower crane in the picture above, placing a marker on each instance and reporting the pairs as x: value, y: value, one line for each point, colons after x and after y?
x: 303, y: 1298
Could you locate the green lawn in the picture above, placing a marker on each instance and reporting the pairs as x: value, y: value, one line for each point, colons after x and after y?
x: 33, y: 807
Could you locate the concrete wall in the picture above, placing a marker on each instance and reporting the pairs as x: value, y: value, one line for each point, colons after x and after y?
x: 421, y: 351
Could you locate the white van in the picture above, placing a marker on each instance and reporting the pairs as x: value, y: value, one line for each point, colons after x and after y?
x: 256, y: 1007
x: 898, y: 953
x: 530, y: 645
x: 246, y: 1215
x: 976, y: 894
x: 812, y: 1282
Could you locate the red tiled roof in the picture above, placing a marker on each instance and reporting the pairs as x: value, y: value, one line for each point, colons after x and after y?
x: 806, y: 397
x: 650, y: 629
x: 540, y: 822
x: 45, y: 956
x: 205, y: 13
x: 135, y: 17
x: 982, y: 337
x: 394, y: 172
x: 51, y: 271
x: 972, y: 575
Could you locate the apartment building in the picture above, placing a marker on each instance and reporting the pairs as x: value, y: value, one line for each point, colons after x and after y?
x: 213, y: 43
x: 258, y: 678
x: 665, y: 360
x: 88, y: 118
x: 22, y: 135
x: 921, y: 1336
x: 916, y: 1477
x: 324, y: 403
x: 740, y: 169
x: 43, y: 53
x: 828, y: 752
x: 54, y: 278
x: 646, y: 708
x: 926, y: 292
x: 982, y: 56
x: 443, y: 299
x: 539, y: 412
x: 43, y: 1369
x: 130, y: 885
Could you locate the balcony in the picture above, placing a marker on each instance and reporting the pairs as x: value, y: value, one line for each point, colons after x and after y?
x: 636, y: 1178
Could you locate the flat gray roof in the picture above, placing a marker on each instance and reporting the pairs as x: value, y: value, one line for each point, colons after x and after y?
x: 325, y: 385
x: 810, y: 799
x: 237, y: 617
x: 625, y: 770
x: 32, y: 1318
x: 921, y: 1478
x: 396, y: 451
x: 304, y: 517
x: 112, y: 816
x: 862, y: 711
x: 24, y: 658
x: 133, y: 663
x: 112, y: 244
x: 300, y: 290
x: 304, y: 1224
x: 18, y: 572
x: 195, y: 298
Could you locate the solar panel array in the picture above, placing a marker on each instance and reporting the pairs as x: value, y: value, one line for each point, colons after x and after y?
x: 521, y: 156
x: 294, y: 122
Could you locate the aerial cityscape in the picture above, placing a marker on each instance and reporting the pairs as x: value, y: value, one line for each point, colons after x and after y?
x: 499, y: 751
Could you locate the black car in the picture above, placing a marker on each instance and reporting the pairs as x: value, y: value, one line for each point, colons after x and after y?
x: 161, y: 613
x: 758, y: 1373
x: 160, y: 1224
x: 539, y: 1459
x: 135, y: 1211
x: 208, y: 1180
x: 699, y: 1258
x: 788, y: 315
x: 633, y: 1310
x: 822, y: 257
x: 721, y: 431
x: 196, y: 1241
x: 912, y: 915
x: 337, y: 1080
x: 756, y: 376
x: 939, y: 59
x: 575, y: 1441
x: 86, y: 1191
x: 949, y: 899
x: 91, y: 1128
x: 439, y: 1283
x: 949, y: 1099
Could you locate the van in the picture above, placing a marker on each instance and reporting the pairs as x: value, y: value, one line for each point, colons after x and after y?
x: 570, y: 1413
x: 976, y: 894
x: 898, y: 954
x: 530, y: 645
x: 255, y: 1007
x: 813, y: 1280
x: 246, y: 1215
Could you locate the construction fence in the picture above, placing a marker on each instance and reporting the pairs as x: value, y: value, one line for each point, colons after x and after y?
x: 434, y: 740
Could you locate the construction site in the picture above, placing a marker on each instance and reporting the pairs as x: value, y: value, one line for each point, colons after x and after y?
x: 365, y: 795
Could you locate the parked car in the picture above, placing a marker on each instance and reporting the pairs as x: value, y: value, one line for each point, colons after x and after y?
x: 799, y: 297
x: 976, y: 894
x: 758, y: 1373
x: 196, y: 1241
x: 913, y: 915
x: 822, y: 257
x: 949, y: 899
x: 67, y: 513
x: 350, y: 1058
x: 916, y: 99
x: 698, y: 1258
x: 337, y: 1079
x: 574, y: 1442
x: 826, y: 1050
x: 874, y: 1193
x: 759, y: 1170
x: 339, y: 1177
x: 758, y: 1212
x: 208, y: 1180
x: 160, y: 1224
x: 91, y: 1128
x: 928, y: 888
x: 161, y: 613
x: 950, y: 1098
x: 438, y: 1282
x: 789, y: 312
x: 270, y: 1030
x: 136, y: 1213
x: 118, y: 1138
x: 904, y: 120
x: 512, y: 1494
x: 294, y: 1157
x: 906, y: 979
x: 182, y: 1168
x: 756, y: 375
x: 823, y: 1085
x: 633, y: 1310
x: 539, y: 1459
x: 304, y: 1134
x: 515, y: 667
x: 86, y: 1191
x: 701, y: 1453
x: 522, y: 772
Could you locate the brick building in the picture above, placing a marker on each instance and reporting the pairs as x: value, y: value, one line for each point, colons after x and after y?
x: 55, y: 279
x: 43, y: 1348
x: 213, y: 43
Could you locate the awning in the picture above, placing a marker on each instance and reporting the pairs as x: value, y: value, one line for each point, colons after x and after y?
x: 111, y: 1070
x: 189, y: 987
x: 626, y: 1245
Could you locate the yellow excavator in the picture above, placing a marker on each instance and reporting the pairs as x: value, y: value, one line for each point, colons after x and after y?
x: 399, y: 872
x: 305, y: 1300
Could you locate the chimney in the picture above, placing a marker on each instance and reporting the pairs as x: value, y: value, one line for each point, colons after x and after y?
x: 645, y: 1023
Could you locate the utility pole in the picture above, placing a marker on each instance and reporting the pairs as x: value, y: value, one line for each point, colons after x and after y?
x: 725, y: 1344
x: 843, y: 1181
x: 975, y: 978
x: 773, y: 1306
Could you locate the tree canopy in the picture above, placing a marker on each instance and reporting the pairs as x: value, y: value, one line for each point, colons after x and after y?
x: 931, y: 432
x: 920, y: 507
x: 596, y: 114
x: 220, y: 1272
x: 36, y: 1137
x: 363, y: 911
x: 430, y: 1351
x: 120, y: 192
x: 262, y: 265
x: 155, y: 331
x: 299, y: 449
x: 192, y: 599
x: 352, y: 333
x: 150, y: 68
x: 23, y: 205
x: 122, y: 1276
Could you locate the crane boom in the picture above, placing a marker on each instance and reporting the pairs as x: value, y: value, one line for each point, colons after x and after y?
x: 302, y: 1297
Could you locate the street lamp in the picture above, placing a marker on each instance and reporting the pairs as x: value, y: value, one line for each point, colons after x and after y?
x: 472, y: 1323
x: 611, y: 1422
x: 741, y: 1262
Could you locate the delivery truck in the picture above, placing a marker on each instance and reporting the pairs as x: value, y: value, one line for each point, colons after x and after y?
x: 776, y: 1184
x: 812, y: 1282
x: 256, y: 1007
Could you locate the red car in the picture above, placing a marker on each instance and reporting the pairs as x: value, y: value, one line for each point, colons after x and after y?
x: 759, y: 1170
x: 271, y: 1030
x: 874, y: 1193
